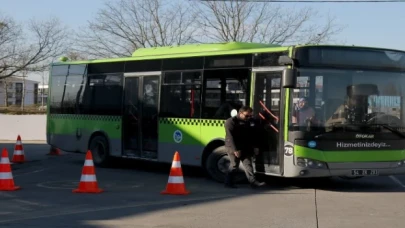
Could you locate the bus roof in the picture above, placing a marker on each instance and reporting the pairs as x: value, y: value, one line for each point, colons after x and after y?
x: 198, y: 48
x: 348, y: 46
x: 195, y: 50
x: 188, y: 50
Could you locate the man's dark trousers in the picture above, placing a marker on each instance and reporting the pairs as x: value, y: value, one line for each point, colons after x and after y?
x: 246, y: 158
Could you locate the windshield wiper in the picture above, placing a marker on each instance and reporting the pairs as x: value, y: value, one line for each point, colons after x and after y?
x: 347, y: 128
x: 393, y: 130
x: 338, y: 127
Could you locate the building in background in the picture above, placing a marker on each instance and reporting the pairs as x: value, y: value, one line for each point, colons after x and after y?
x: 11, y: 91
x: 42, y: 94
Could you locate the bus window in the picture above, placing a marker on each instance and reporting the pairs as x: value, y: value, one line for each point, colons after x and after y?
x: 71, y: 94
x: 180, y: 96
x: 103, y: 94
x: 225, y: 90
x: 57, y: 87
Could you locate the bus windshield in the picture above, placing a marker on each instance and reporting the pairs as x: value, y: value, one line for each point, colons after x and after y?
x: 325, y: 99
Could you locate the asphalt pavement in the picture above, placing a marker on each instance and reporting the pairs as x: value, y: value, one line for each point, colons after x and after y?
x: 132, y: 198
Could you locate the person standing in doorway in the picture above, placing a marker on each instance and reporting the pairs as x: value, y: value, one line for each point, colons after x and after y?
x: 239, y: 142
x: 303, y: 113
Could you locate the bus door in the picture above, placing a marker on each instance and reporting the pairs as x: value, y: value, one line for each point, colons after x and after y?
x: 140, y: 120
x: 267, y: 102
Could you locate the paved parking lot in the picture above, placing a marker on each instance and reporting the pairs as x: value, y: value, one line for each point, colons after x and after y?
x: 132, y: 198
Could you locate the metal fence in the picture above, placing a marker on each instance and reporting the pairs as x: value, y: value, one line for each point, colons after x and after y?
x: 31, y: 102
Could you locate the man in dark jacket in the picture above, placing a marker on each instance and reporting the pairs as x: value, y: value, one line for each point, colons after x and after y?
x: 240, y: 142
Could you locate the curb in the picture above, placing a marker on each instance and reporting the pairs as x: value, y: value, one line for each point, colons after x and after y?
x: 23, y: 141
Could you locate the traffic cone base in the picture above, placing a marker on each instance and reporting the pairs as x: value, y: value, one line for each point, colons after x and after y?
x: 88, y: 187
x: 6, y: 176
x: 54, y: 151
x: 175, y: 184
x: 8, y: 185
x: 88, y: 180
x: 175, y: 189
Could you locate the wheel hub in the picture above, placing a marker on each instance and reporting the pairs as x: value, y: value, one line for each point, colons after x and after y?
x: 223, y: 164
x: 99, y: 151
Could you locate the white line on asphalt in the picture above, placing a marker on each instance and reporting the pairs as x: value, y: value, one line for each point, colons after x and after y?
x: 6, y: 195
x: 397, y: 181
x: 21, y: 218
x: 5, y: 213
x: 63, y: 184
x: 21, y: 174
x: 70, y: 184
x: 29, y: 202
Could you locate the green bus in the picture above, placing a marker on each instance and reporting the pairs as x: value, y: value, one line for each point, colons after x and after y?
x: 177, y: 98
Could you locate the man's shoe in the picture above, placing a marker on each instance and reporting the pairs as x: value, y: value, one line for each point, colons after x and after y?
x: 257, y: 184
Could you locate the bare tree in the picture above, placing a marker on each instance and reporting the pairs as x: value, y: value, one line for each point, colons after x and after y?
x: 123, y: 26
x: 32, y: 48
x: 5, y: 83
x: 10, y: 38
x: 76, y: 56
x: 261, y: 22
x: 126, y: 25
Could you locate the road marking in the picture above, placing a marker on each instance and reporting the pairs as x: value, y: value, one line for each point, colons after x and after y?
x: 73, y: 184
x: 63, y: 184
x: 5, y: 213
x: 7, y: 195
x: 397, y: 181
x: 21, y: 218
x: 29, y: 202
x: 21, y: 174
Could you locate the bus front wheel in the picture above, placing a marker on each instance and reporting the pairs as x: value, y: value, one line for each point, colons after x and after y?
x: 217, y: 165
x: 100, y: 150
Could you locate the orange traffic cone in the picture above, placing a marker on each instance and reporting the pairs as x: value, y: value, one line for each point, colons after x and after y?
x: 18, y: 156
x: 54, y: 151
x: 6, y: 176
x: 88, y: 180
x: 175, y: 185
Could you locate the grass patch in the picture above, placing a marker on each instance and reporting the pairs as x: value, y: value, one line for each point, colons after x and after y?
x: 28, y: 110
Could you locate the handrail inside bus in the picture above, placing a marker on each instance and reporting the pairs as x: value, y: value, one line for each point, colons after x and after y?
x: 274, y: 128
x: 130, y: 112
x: 267, y: 110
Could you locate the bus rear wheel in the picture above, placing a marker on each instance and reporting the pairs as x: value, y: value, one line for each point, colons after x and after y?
x: 100, y: 150
x: 217, y: 165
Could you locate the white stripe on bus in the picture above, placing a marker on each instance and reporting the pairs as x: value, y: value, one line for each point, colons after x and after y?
x: 176, y: 180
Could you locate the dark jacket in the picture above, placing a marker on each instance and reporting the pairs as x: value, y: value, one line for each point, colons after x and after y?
x: 239, y: 134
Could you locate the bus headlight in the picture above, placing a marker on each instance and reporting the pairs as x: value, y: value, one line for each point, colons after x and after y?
x: 311, y: 163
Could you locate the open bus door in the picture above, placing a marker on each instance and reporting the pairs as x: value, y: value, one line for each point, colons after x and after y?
x: 267, y: 103
x: 140, y: 119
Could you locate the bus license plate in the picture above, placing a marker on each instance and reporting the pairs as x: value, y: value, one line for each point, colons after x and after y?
x: 365, y: 172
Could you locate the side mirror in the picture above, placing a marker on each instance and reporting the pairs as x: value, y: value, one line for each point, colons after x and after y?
x: 234, y: 112
x: 289, y: 78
